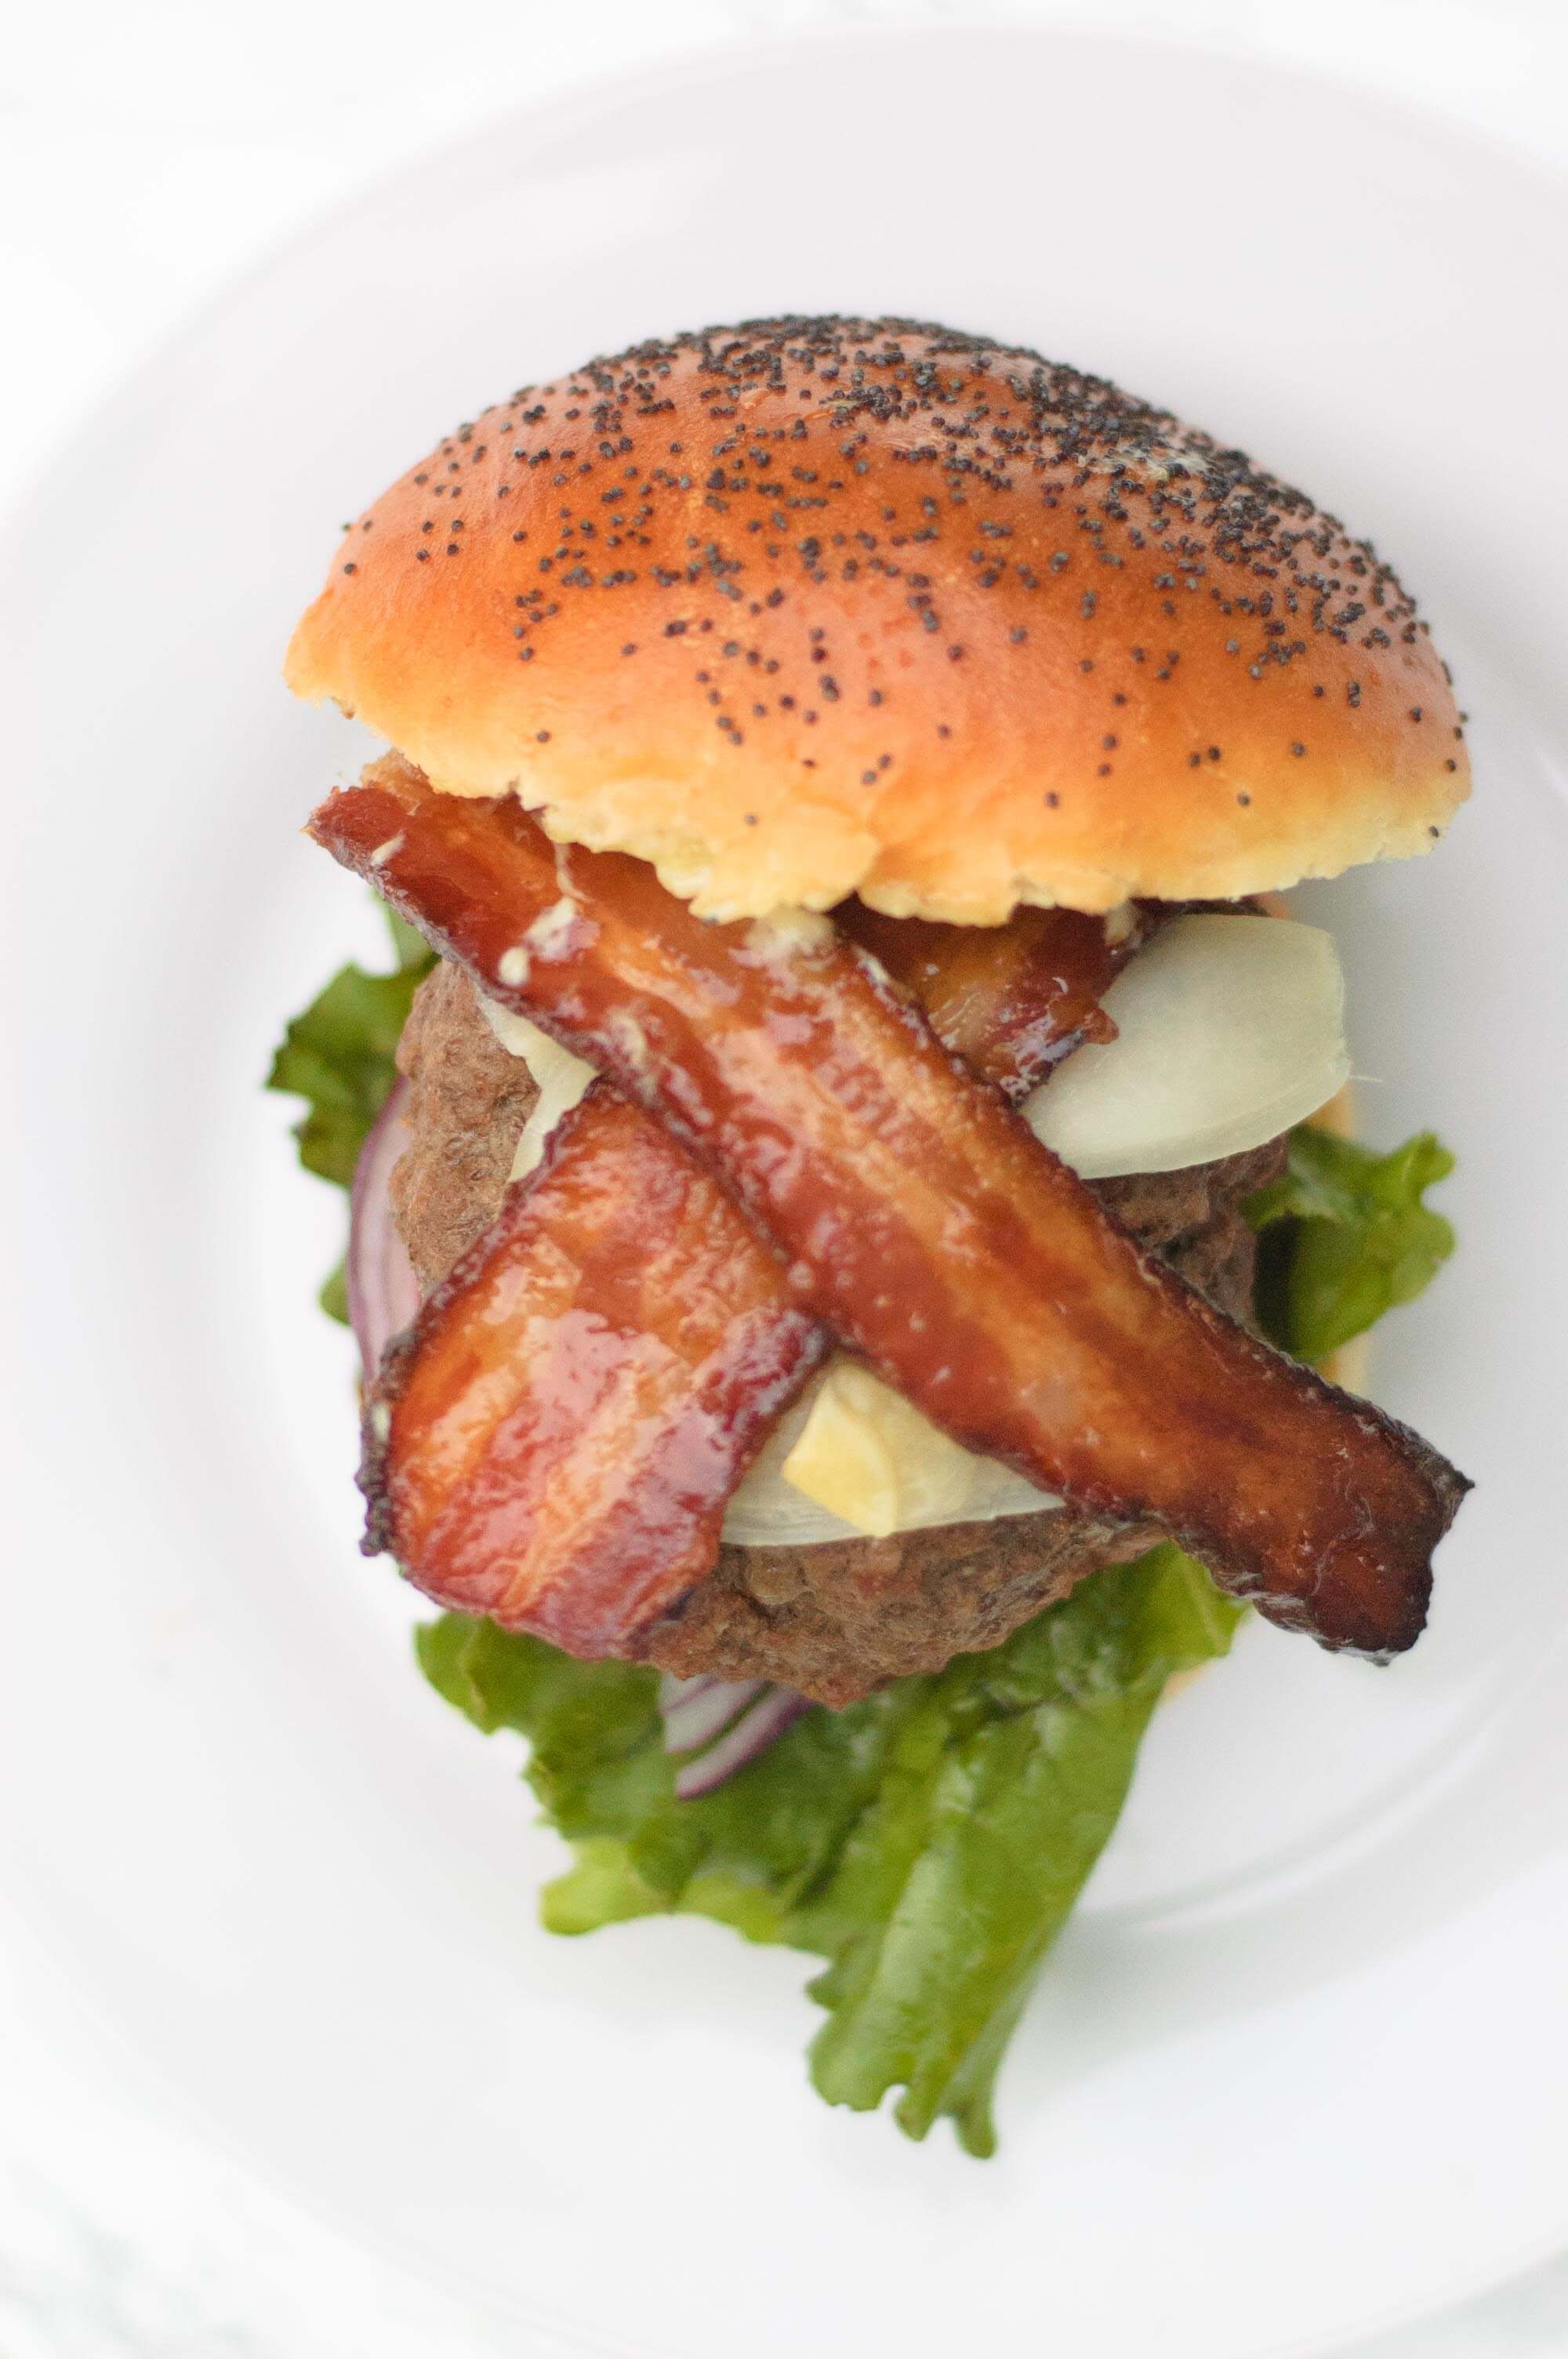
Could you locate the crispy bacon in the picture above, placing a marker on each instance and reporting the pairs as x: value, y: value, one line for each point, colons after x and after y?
x: 553, y: 1441
x: 1013, y: 999
x: 920, y: 1219
x: 592, y: 1515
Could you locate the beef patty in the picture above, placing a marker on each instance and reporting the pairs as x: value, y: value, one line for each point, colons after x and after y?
x: 838, y: 1618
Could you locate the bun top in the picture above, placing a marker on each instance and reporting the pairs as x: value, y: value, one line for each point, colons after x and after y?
x: 805, y: 607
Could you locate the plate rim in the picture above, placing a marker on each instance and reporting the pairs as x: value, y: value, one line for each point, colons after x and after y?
x: 589, y: 88
x: 584, y: 97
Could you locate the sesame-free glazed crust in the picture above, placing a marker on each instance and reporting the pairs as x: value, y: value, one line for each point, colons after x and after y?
x: 811, y: 606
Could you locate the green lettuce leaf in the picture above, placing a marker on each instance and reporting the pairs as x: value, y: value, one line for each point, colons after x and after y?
x: 928, y: 1842
x: 1347, y: 1236
x: 340, y: 1056
x: 333, y: 1298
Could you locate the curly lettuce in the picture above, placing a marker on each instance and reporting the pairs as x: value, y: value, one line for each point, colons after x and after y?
x: 928, y: 1842
x: 1346, y: 1236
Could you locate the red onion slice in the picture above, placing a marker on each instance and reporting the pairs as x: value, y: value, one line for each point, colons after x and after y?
x: 775, y: 1710
x: 696, y: 1711
x: 383, y: 1293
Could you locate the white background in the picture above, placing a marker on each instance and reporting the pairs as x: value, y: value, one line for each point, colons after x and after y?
x: 148, y: 155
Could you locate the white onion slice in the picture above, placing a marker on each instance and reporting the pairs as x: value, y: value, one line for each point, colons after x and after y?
x: 562, y: 1078
x: 767, y: 1512
x: 1230, y: 1028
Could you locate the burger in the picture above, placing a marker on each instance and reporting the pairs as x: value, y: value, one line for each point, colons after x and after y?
x: 853, y: 1201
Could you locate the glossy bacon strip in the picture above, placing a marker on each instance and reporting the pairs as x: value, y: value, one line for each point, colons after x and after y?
x: 579, y: 1491
x: 1014, y: 999
x: 554, y: 1440
x: 921, y: 1219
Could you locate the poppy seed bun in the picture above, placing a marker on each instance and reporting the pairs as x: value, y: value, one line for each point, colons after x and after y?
x: 812, y: 606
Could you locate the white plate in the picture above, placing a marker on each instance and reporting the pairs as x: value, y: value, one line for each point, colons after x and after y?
x: 1300, y: 2065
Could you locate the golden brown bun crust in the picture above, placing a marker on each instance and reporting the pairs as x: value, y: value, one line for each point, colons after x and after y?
x: 810, y: 606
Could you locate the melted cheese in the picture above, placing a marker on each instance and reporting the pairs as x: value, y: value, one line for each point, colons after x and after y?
x: 872, y: 1459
